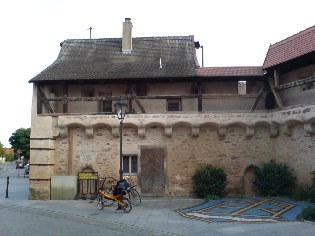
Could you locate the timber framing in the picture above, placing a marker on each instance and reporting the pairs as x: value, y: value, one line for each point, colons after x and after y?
x: 296, y: 83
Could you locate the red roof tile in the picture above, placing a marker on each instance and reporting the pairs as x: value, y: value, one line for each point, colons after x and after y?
x: 292, y: 47
x: 239, y: 71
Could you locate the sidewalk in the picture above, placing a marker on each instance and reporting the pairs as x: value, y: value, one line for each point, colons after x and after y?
x: 155, y: 216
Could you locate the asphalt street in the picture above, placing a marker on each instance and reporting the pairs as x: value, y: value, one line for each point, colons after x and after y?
x: 155, y: 216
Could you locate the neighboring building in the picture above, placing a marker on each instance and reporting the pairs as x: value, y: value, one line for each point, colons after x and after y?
x: 179, y: 114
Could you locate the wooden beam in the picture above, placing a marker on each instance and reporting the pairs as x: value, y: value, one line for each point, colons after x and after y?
x: 65, y: 99
x: 70, y: 151
x: 134, y: 96
x: 261, y: 92
x: 296, y: 83
x: 47, y: 105
x: 199, y: 97
x: 275, y: 94
x: 204, y: 96
x: 276, y: 77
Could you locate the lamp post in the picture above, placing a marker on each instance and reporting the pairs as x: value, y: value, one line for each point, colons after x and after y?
x: 121, y: 106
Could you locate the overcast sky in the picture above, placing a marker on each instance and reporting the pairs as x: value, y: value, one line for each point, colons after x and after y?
x: 233, y: 33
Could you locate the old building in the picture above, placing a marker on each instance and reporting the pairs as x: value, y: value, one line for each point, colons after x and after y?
x: 179, y: 114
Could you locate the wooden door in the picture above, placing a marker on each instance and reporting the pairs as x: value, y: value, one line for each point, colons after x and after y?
x: 152, y: 177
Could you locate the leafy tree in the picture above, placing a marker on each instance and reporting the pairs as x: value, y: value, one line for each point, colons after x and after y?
x: 1, y: 150
x: 20, y: 140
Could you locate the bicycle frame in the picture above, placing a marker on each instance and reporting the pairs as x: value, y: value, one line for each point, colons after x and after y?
x: 123, y: 203
x: 112, y: 197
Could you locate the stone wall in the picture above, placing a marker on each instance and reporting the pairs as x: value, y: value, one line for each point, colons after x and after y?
x: 234, y: 141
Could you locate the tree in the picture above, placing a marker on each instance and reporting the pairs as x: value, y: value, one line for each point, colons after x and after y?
x: 1, y: 150
x: 20, y: 140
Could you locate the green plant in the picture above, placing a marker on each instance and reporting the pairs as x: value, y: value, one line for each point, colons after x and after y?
x: 312, y: 188
x: 9, y: 157
x: 302, y: 193
x: 209, y: 181
x: 275, y: 179
x: 211, y: 197
x: 309, y: 213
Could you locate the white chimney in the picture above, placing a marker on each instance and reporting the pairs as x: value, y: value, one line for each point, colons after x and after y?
x: 127, y: 36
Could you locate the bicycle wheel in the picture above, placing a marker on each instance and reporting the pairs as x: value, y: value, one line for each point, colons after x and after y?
x: 100, y: 202
x: 127, y: 208
x: 134, y: 197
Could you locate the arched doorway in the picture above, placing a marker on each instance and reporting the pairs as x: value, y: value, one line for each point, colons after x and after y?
x: 250, y: 175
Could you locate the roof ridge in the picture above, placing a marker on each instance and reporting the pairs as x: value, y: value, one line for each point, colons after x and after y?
x: 212, y: 67
x: 294, y: 36
x: 134, y: 38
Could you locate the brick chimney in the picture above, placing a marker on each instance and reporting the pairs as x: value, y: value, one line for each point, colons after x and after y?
x: 127, y: 36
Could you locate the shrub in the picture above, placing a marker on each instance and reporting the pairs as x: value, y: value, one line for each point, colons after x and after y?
x: 302, y: 193
x: 275, y: 179
x: 309, y: 213
x: 312, y: 188
x: 211, y: 197
x: 209, y: 181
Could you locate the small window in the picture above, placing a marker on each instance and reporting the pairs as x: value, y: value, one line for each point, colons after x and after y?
x: 174, y: 105
x: 242, y: 87
x: 130, y: 164
x: 106, y: 105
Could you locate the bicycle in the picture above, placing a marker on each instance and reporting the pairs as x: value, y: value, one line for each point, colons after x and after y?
x: 108, y: 195
x: 133, y: 194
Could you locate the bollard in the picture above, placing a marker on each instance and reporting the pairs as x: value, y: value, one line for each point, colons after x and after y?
x: 7, y: 191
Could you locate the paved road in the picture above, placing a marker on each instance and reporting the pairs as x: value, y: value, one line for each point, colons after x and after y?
x: 156, y: 216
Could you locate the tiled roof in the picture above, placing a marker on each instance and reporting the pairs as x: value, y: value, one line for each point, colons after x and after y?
x: 101, y: 59
x: 240, y: 71
x: 290, y: 48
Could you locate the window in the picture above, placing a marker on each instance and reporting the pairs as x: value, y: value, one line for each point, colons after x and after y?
x: 173, y: 105
x: 106, y: 105
x: 241, y: 87
x: 130, y: 164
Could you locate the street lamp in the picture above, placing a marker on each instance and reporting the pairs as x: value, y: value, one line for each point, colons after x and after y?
x: 121, y: 106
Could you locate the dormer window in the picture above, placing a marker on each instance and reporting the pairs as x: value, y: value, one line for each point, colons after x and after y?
x: 174, y: 105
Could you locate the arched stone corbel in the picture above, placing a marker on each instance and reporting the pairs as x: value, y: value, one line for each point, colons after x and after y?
x: 56, y: 132
x: 222, y: 131
x: 63, y: 131
x: 115, y: 132
x: 168, y: 131
x: 141, y: 132
x: 273, y: 131
x: 195, y: 131
x: 309, y: 128
x: 89, y: 131
x: 250, y: 131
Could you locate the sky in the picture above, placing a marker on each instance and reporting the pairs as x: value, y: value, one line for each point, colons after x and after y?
x: 233, y: 33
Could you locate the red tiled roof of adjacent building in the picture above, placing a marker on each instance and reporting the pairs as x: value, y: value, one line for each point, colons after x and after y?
x: 290, y: 48
x: 237, y: 71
